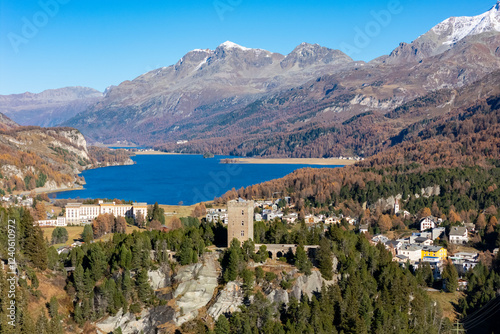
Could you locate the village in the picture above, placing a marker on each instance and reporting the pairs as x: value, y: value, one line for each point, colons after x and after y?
x: 415, y: 248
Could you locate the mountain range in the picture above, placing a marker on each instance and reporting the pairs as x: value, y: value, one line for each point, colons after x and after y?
x: 314, y: 101
x: 50, y: 107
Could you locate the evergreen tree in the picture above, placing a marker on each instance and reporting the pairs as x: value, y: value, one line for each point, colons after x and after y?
x: 222, y: 325
x: 59, y: 235
x: 450, y: 275
x: 87, y: 234
x: 32, y: 242
x: 186, y: 253
x: 53, y: 307
x: 324, y: 258
x: 231, y: 272
x: 53, y: 259
x: 302, y: 261
x: 144, y: 291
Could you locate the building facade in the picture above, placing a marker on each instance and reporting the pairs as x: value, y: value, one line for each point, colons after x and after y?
x: 240, y: 220
x: 77, y: 213
x: 459, y: 235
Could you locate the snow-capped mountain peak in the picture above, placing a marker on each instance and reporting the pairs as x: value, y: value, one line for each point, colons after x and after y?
x: 455, y: 29
x: 231, y: 45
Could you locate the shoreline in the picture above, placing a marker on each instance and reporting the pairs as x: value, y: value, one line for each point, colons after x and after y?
x: 292, y: 161
x: 155, y: 153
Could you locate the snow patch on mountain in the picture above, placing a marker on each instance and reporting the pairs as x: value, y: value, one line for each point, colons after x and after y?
x: 457, y: 28
x: 231, y: 45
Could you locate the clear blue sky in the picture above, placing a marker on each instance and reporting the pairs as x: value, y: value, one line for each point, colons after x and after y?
x: 100, y: 43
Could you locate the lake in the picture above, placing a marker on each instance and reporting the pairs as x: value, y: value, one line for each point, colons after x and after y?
x: 170, y: 179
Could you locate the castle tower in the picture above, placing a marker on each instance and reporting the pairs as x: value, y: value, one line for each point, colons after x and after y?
x: 240, y: 220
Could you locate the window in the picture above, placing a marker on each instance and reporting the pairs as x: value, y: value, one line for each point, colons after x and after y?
x: 242, y: 212
x: 242, y: 233
x: 242, y: 223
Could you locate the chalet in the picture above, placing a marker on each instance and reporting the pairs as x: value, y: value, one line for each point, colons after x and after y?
x: 427, y: 223
x: 459, y: 235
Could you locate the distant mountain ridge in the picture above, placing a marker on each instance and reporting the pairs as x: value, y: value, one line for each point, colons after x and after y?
x: 50, y: 107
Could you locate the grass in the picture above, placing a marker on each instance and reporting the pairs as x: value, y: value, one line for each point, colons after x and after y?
x: 447, y: 301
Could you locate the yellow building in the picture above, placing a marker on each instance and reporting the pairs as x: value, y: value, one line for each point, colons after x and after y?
x: 435, y: 251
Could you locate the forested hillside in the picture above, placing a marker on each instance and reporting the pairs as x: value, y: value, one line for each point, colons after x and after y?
x: 34, y: 157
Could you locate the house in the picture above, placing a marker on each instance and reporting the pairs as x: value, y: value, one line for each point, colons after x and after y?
x: 462, y: 284
x: 459, y: 235
x: 290, y: 218
x: 434, y: 251
x: 351, y: 221
x: 401, y: 259
x: 438, y: 232
x: 470, y: 227
x: 423, y: 241
x: 311, y: 219
x: 427, y: 223
x: 495, y: 251
x: 380, y: 238
x: 271, y: 215
x: 363, y: 228
x: 413, y: 252
x: 331, y: 221
x: 257, y: 217
x: 394, y: 244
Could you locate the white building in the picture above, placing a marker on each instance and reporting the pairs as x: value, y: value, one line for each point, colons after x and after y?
x: 459, y: 235
x: 396, y: 206
x: 413, y: 252
x: 59, y: 222
x: 77, y: 213
x: 290, y: 218
x: 427, y: 223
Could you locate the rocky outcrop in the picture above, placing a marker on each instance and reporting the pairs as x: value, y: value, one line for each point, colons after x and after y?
x: 197, y: 283
x: 308, y: 285
x: 160, y: 278
x: 147, y: 322
x: 278, y: 296
x: 228, y: 300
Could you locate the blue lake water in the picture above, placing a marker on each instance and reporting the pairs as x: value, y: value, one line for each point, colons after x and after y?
x: 169, y: 179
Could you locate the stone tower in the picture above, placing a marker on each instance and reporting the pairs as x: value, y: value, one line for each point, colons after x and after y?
x: 240, y: 220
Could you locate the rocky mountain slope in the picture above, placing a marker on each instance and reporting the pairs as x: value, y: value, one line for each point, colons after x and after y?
x: 446, y: 34
x: 202, y: 84
x: 50, y: 107
x: 229, y: 99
